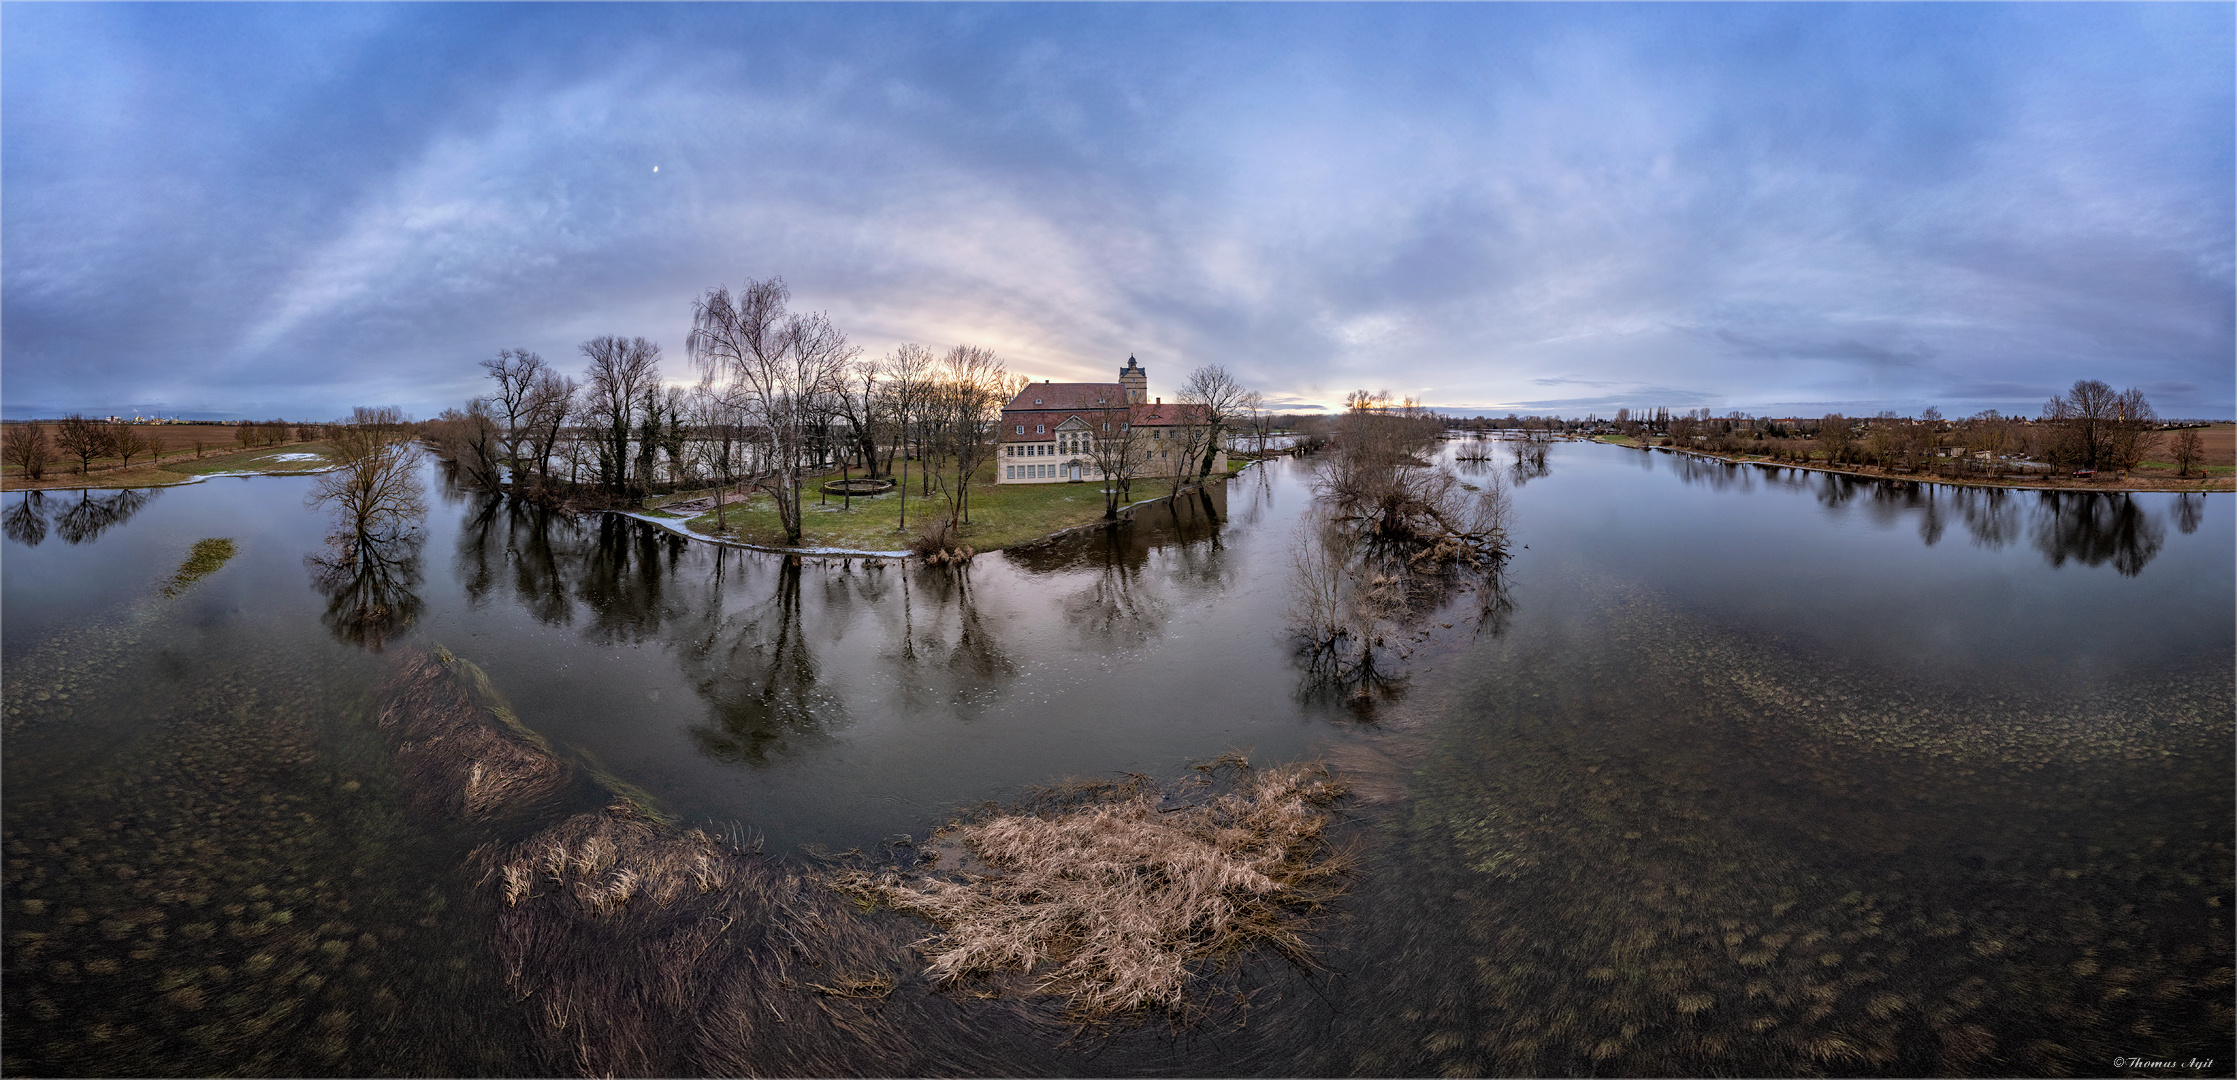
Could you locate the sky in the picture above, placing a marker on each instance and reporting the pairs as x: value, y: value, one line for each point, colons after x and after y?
x: 257, y: 210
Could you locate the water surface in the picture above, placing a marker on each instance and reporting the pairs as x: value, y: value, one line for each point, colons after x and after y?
x: 1765, y: 771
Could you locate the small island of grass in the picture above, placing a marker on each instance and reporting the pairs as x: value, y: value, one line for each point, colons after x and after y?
x: 1001, y: 515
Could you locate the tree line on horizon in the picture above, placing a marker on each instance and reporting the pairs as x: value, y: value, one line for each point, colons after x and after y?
x: 30, y: 448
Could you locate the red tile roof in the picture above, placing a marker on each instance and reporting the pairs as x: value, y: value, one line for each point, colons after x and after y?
x: 1067, y: 395
x: 1050, y: 404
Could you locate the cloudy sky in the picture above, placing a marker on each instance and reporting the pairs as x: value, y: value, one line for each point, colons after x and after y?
x: 261, y: 210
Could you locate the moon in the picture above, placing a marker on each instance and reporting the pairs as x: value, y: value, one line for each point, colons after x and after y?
x: 656, y: 168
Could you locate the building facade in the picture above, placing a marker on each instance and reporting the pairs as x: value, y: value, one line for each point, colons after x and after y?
x: 1061, y: 433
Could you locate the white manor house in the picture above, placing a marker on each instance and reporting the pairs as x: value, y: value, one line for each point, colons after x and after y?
x: 1052, y: 431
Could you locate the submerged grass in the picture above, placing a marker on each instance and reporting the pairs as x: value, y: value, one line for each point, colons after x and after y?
x: 1117, y: 893
x: 202, y: 560
x: 457, y: 762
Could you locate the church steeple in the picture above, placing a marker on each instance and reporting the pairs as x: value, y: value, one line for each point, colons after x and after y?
x: 1136, y: 381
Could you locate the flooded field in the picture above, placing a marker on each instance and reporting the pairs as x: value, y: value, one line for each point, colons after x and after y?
x: 1756, y: 772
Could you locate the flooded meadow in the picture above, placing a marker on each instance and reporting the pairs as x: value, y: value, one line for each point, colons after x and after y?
x: 1749, y: 771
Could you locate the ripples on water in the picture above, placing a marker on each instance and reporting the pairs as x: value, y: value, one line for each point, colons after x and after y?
x: 1769, y: 772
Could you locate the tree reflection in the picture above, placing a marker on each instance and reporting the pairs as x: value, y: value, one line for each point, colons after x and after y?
x: 370, y: 569
x: 26, y: 521
x: 2189, y: 512
x: 761, y: 680
x: 84, y: 521
x: 1117, y: 610
x: 371, y: 586
x: 2094, y: 528
x: 1992, y: 517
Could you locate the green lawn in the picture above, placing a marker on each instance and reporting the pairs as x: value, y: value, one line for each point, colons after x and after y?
x: 1001, y: 515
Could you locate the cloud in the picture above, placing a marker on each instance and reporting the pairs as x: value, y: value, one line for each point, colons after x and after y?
x: 1484, y: 206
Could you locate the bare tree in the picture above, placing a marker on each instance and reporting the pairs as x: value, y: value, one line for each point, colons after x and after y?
x: 1219, y: 400
x: 82, y: 438
x: 908, y: 375
x: 551, y: 402
x: 2082, y: 419
x: 1120, y: 453
x: 973, y: 385
x: 1834, y: 437
x: 776, y: 368
x: 2188, y: 449
x: 2128, y: 439
x: 28, y: 449
x: 473, y: 442
x: 516, y: 372
x: 127, y: 442
x: 375, y: 494
x: 722, y: 445
x: 621, y: 371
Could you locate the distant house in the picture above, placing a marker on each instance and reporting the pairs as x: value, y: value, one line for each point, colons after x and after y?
x: 1050, y: 430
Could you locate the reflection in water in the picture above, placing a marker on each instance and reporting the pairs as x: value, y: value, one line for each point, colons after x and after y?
x: 1992, y: 518
x: 370, y: 569
x: 766, y: 644
x: 1530, y: 462
x: 2093, y: 528
x: 26, y: 521
x: 2189, y: 510
x: 371, y: 587
x: 2090, y: 527
x: 81, y: 522
x: 759, y: 674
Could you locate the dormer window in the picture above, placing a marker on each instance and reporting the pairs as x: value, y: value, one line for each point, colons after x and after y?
x: 1040, y: 429
x: 1036, y: 401
x: 1021, y: 429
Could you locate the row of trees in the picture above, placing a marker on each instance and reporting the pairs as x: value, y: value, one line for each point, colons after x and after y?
x: 2089, y: 427
x: 31, y: 449
x: 780, y: 395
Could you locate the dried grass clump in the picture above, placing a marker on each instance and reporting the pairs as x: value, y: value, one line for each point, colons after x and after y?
x: 648, y: 952
x: 939, y: 545
x: 1115, y: 895
x: 458, y: 747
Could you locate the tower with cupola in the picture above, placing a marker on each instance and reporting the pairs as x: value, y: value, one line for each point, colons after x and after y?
x: 1136, y: 381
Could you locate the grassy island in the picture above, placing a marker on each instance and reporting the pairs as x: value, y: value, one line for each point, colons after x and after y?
x: 1001, y: 515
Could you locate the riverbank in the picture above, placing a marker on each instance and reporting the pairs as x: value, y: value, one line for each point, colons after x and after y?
x: 286, y: 459
x: 2146, y: 482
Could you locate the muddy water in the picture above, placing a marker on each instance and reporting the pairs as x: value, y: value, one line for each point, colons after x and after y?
x: 1764, y: 773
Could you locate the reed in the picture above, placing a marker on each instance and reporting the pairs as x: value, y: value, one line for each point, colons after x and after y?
x: 461, y: 753
x: 1116, y: 896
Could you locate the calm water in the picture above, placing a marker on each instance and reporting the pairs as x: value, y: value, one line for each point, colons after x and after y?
x: 1765, y: 772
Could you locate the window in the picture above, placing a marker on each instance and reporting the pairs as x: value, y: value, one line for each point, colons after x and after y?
x: 1009, y: 472
x: 1021, y: 429
x: 1157, y: 433
x: 1040, y: 429
x: 1106, y: 425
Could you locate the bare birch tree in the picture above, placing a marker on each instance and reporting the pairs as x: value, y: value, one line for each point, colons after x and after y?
x: 776, y: 368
